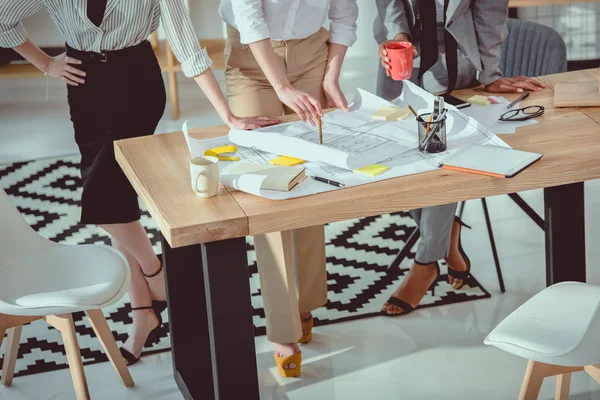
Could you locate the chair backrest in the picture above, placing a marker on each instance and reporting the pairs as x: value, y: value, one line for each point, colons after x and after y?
x: 532, y: 49
x: 16, y: 236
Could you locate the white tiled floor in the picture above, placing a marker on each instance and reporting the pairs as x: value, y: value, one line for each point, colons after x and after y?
x: 432, y: 354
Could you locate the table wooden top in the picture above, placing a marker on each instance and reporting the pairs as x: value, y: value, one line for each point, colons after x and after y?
x: 158, y: 168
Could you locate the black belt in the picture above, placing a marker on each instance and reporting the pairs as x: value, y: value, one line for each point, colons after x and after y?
x: 109, y: 56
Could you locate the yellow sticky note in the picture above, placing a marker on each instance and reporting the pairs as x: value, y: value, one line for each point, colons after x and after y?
x: 220, y: 150
x: 371, y: 170
x: 286, y: 161
x: 390, y: 114
x: 479, y: 100
x: 228, y: 149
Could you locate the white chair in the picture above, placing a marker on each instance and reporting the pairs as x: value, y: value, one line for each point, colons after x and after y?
x: 558, y: 331
x: 40, y: 279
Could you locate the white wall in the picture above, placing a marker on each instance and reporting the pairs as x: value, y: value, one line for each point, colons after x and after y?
x: 365, y: 45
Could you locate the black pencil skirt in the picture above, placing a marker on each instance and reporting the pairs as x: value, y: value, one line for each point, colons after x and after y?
x: 123, y: 97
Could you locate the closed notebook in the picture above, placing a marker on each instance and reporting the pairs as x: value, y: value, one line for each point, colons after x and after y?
x: 494, y: 161
x: 272, y: 177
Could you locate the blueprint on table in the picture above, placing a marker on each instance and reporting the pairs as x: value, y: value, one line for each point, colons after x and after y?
x: 351, y: 139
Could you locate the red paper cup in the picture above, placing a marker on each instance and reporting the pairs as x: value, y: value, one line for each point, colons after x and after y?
x: 401, y: 59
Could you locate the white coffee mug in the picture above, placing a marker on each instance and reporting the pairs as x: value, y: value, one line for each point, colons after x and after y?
x: 205, y: 176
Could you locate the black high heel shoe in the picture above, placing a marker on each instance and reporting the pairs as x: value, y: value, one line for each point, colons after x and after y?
x: 153, y: 336
x: 158, y: 306
x: 407, y: 308
x: 462, y: 275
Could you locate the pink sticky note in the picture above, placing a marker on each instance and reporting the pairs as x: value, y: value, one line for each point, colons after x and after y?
x: 491, y: 99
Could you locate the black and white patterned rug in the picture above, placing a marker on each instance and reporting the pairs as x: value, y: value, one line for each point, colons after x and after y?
x: 360, y: 254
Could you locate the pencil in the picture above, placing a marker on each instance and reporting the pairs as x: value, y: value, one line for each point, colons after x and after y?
x: 428, y: 126
x: 412, y: 110
x: 320, y: 130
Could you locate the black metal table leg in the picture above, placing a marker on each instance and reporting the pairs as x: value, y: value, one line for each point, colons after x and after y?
x: 210, y: 320
x: 565, y: 233
x: 527, y: 209
x: 488, y: 223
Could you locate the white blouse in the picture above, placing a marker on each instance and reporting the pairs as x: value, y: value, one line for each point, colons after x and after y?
x: 126, y: 23
x: 291, y: 19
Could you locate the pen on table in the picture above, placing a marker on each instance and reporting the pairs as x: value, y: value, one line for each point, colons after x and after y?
x: 320, y: 129
x: 521, y: 97
x: 334, y: 183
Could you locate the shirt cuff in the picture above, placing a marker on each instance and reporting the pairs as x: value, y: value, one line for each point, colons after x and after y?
x: 486, y: 79
x: 197, y: 64
x: 14, y: 37
x: 254, y: 34
x: 344, y: 35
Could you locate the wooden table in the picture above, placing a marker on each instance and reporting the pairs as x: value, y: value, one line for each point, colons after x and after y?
x: 204, y: 248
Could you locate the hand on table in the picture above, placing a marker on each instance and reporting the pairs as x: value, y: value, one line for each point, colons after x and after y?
x: 401, y: 37
x: 515, y: 85
x: 251, y: 122
x: 335, y: 97
x: 307, y: 107
x: 60, y: 67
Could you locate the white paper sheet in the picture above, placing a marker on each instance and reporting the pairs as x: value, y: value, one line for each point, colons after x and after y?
x: 349, y: 141
x: 198, y: 147
x: 347, y: 129
x: 488, y: 116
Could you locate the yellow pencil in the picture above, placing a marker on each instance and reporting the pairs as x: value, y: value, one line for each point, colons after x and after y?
x: 320, y: 129
x: 428, y: 126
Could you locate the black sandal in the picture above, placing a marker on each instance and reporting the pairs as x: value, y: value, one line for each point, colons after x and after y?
x: 158, y: 305
x: 407, y: 308
x: 462, y: 275
x: 153, y: 336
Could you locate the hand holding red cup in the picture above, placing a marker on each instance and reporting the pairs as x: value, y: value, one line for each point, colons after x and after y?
x: 397, y: 57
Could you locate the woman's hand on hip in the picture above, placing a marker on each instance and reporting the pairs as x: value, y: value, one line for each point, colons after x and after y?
x: 307, y: 107
x: 60, y: 67
x: 514, y: 85
x: 250, y: 122
x: 382, y: 52
x: 335, y: 96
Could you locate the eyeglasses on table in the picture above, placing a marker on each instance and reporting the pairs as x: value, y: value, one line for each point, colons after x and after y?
x: 522, y: 114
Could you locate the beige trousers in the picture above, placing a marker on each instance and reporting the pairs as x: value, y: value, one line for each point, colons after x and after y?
x: 291, y: 264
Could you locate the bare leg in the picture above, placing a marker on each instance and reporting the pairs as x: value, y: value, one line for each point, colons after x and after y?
x: 413, y: 288
x: 143, y: 320
x: 133, y: 237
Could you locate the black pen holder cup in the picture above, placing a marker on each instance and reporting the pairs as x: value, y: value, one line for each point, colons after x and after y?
x: 428, y: 143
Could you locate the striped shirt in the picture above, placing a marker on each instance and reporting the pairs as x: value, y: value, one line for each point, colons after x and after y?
x: 126, y: 23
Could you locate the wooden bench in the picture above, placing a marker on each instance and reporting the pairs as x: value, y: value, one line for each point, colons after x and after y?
x: 164, y: 54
